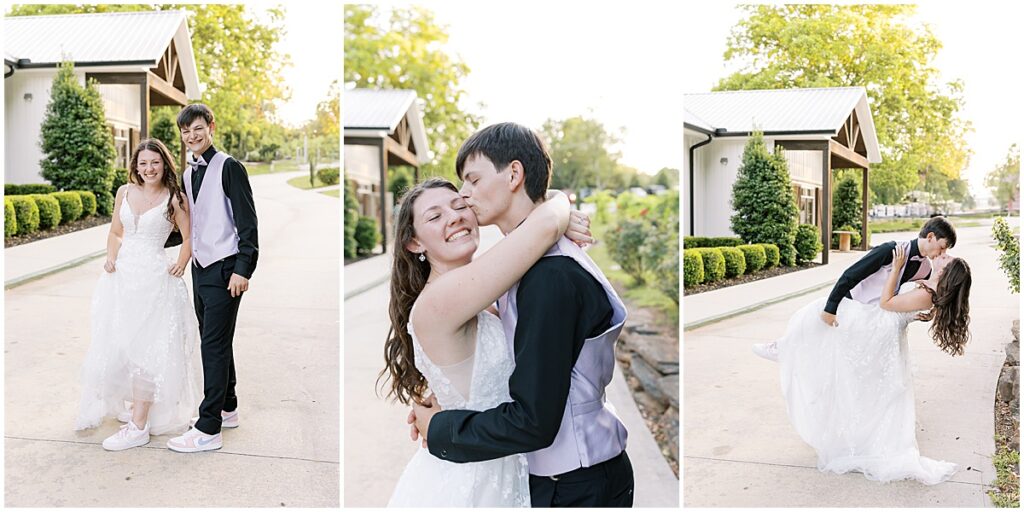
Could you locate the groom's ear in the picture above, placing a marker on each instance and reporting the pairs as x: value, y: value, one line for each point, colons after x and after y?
x: 516, y: 176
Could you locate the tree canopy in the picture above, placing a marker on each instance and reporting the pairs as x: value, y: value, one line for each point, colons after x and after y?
x: 402, y: 48
x: 1004, y: 180
x: 874, y: 46
x: 580, y: 154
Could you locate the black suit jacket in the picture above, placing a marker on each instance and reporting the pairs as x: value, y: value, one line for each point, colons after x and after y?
x: 872, y: 262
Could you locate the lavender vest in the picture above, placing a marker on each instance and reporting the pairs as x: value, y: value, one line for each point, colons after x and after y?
x: 869, y: 291
x: 214, y: 235
x: 590, y: 432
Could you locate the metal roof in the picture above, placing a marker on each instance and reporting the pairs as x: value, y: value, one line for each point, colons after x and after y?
x: 782, y: 111
x: 382, y: 110
x: 132, y: 38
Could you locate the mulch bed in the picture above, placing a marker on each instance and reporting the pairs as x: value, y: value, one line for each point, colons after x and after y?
x: 78, y: 225
x: 748, y: 278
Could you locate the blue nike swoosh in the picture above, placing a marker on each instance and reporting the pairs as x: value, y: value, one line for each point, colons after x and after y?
x: 201, y: 443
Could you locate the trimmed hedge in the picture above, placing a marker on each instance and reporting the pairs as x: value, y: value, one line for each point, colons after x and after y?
x: 693, y: 268
x: 694, y: 242
x: 10, y: 218
x: 328, y: 175
x: 367, y: 235
x: 714, y: 263
x: 49, y: 210
x: 735, y: 265
x: 772, y: 256
x: 807, y: 242
x: 70, y: 206
x: 27, y: 214
x: 31, y: 188
x: 88, y: 202
x: 754, y: 257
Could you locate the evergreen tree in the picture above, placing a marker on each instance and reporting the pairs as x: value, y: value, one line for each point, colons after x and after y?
x: 846, y: 209
x: 78, y: 146
x: 766, y: 211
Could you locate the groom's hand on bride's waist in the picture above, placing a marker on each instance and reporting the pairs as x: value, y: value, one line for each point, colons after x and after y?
x: 419, y: 418
x: 829, y: 319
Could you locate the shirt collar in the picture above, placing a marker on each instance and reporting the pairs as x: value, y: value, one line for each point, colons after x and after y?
x: 208, y: 154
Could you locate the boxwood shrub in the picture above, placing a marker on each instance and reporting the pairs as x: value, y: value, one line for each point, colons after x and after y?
x: 29, y: 188
x: 694, y: 242
x: 772, y: 256
x: 754, y: 256
x: 27, y: 214
x: 807, y: 242
x: 693, y: 268
x: 714, y: 263
x: 10, y: 218
x: 88, y: 202
x: 49, y: 210
x: 735, y: 265
x: 70, y: 206
x: 328, y: 175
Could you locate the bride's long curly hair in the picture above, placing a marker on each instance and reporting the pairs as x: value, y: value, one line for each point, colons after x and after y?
x: 408, y: 277
x: 170, y: 179
x: 951, y: 310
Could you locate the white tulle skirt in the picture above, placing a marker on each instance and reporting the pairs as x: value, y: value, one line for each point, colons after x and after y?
x: 145, y: 344
x: 849, y: 392
x: 431, y: 482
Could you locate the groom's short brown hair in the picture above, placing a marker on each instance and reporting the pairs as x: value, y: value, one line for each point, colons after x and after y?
x: 504, y: 142
x: 193, y: 112
x: 942, y: 229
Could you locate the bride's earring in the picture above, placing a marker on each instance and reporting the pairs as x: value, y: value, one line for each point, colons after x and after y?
x: 422, y: 257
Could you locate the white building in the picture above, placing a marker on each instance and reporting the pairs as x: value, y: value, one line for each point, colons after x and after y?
x: 821, y: 129
x: 383, y: 128
x: 139, y: 59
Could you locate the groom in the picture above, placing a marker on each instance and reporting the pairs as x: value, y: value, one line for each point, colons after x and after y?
x: 224, y: 252
x: 863, y: 281
x: 562, y: 320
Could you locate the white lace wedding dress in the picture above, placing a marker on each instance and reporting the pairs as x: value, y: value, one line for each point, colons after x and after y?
x: 144, y: 332
x: 477, y: 384
x: 850, y: 395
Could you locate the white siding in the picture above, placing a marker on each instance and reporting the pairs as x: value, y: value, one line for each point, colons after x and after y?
x: 362, y: 163
x: 121, y: 103
x: 717, y: 177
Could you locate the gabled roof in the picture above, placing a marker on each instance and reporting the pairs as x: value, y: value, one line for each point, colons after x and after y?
x: 782, y: 111
x: 115, y: 38
x: 383, y: 110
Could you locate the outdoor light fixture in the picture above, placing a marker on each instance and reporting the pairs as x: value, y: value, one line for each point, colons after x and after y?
x: 28, y: 97
x: 724, y: 160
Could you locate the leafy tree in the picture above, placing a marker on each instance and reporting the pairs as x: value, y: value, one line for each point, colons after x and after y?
x: 164, y: 122
x: 235, y: 59
x: 580, y: 154
x: 1004, y: 181
x: 1009, y: 245
x: 766, y: 211
x: 351, y: 219
x: 77, y: 146
x: 399, y: 181
x: 874, y: 46
x: 402, y: 48
x: 846, y: 208
x: 667, y: 177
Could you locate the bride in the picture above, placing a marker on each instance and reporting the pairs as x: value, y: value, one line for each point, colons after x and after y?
x: 462, y: 355
x: 849, y: 389
x: 144, y: 330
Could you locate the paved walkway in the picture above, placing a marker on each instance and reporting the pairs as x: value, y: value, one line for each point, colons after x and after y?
x: 286, y: 346
x: 740, y: 449
x: 377, y: 445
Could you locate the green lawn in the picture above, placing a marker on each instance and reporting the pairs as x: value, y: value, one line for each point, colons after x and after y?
x: 333, y: 193
x: 255, y: 168
x: 914, y: 224
x: 303, y: 182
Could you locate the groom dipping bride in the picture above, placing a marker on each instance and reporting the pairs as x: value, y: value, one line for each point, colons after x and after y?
x: 518, y: 415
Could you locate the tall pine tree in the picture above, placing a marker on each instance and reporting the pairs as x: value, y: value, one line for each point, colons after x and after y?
x: 766, y: 211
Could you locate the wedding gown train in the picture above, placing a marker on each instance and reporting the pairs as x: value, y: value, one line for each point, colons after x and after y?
x: 144, y: 333
x: 849, y: 392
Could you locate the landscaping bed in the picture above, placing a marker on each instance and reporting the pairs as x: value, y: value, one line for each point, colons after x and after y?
x: 748, y: 278
x: 62, y: 229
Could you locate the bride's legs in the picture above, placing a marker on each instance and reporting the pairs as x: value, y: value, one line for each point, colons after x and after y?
x: 140, y: 412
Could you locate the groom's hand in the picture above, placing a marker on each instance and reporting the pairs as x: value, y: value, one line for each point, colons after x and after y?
x: 421, y: 415
x: 237, y: 285
x: 829, y: 319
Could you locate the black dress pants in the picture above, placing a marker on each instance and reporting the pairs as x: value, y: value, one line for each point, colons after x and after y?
x: 608, y: 484
x: 216, y: 310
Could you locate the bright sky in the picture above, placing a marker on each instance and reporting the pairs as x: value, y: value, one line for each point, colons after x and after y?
x: 618, y: 63
x: 980, y: 46
x: 313, y: 40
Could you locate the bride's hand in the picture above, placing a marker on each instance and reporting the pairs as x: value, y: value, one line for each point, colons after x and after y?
x: 176, y: 269
x: 109, y: 266
x: 899, y: 256
x: 579, y: 228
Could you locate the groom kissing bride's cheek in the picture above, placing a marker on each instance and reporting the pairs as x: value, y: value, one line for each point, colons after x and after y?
x: 516, y: 346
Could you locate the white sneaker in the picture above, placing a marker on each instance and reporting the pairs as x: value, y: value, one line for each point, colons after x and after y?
x: 229, y: 419
x: 126, y: 416
x: 129, y: 436
x: 195, y: 440
x: 769, y: 351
